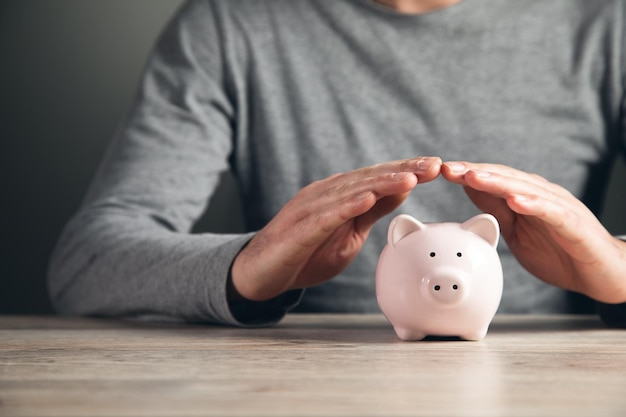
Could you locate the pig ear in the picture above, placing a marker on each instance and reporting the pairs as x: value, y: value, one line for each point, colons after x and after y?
x: 485, y: 226
x: 401, y: 226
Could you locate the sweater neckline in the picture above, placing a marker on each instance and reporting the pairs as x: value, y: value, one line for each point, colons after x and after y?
x: 382, y: 9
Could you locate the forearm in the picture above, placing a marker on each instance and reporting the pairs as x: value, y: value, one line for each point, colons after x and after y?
x: 114, y: 262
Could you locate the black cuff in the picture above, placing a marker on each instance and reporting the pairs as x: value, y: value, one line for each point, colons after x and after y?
x: 614, y: 315
x: 265, y: 313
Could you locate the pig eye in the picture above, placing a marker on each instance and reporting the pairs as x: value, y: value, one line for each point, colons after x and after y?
x: 432, y: 254
x: 459, y: 254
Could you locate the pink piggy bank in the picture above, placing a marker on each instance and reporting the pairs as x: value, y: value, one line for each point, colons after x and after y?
x: 440, y: 279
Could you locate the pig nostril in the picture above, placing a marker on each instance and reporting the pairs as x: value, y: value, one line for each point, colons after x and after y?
x: 437, y: 287
x: 455, y: 287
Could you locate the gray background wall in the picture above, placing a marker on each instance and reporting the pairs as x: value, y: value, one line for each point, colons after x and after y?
x: 68, y: 70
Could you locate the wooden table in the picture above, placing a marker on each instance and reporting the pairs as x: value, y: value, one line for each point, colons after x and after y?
x: 309, y: 365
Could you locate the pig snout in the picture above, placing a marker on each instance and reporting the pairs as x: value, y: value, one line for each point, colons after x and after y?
x: 446, y: 286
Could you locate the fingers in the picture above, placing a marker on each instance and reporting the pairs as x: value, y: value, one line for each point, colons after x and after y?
x: 425, y: 169
x: 503, y: 182
x: 493, y: 205
x: 491, y: 185
x: 370, y: 197
x: 461, y: 172
x: 353, y: 193
x: 367, y: 194
x: 382, y: 207
x: 371, y: 191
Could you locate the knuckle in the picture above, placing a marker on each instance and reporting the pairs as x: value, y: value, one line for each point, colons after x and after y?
x: 537, y: 177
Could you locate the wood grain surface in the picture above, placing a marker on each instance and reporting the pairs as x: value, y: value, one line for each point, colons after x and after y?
x: 309, y: 365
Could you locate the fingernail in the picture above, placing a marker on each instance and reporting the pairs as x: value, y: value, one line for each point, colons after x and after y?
x: 482, y: 174
x: 400, y: 176
x: 425, y: 164
x: 456, y: 167
x: 520, y: 198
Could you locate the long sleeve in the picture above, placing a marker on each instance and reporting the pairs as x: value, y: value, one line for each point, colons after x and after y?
x: 128, y: 251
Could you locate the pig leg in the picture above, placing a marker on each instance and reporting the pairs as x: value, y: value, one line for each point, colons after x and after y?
x: 409, y: 334
x: 476, y: 335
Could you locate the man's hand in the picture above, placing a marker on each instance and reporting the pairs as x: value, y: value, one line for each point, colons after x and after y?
x: 552, y: 234
x: 320, y: 231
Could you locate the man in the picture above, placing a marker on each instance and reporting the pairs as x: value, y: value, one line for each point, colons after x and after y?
x: 305, y: 101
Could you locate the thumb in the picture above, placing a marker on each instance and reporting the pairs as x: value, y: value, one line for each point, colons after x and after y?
x: 384, y: 206
x: 488, y: 203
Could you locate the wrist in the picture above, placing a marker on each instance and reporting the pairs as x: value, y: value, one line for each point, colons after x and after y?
x: 247, y: 280
x: 232, y: 295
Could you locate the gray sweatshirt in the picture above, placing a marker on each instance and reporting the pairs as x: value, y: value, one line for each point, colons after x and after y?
x: 283, y: 93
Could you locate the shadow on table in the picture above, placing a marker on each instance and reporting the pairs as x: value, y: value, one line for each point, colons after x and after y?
x: 545, y: 323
